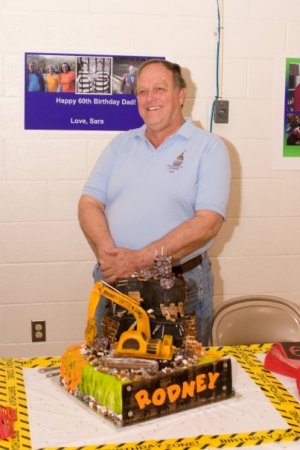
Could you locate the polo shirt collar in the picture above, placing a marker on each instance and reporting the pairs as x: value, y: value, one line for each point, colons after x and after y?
x: 185, y: 130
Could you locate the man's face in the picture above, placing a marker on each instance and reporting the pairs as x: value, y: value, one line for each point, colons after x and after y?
x: 31, y: 67
x: 159, y: 102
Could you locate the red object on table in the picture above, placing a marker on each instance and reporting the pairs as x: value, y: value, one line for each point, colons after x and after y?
x: 284, y: 358
x: 298, y: 380
x: 8, y: 416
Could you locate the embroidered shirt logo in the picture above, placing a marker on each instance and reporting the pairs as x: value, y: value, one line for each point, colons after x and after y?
x: 177, y: 163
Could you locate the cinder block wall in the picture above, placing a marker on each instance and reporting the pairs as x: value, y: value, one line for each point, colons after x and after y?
x: 45, y: 263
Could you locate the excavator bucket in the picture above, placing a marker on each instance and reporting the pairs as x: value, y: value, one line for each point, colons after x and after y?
x: 90, y: 332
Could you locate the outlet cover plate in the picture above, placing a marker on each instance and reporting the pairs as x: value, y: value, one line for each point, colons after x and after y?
x: 38, y: 330
x: 221, y: 111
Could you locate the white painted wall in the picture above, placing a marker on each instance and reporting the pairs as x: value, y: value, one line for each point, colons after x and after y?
x: 45, y: 262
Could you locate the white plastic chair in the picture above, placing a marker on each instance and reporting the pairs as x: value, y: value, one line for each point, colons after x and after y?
x: 256, y: 319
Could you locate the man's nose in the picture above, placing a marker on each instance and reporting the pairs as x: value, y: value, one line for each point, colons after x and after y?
x: 150, y: 94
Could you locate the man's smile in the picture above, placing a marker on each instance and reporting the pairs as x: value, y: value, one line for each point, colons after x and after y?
x: 153, y: 108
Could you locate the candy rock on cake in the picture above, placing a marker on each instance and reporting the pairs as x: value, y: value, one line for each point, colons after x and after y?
x: 147, y: 362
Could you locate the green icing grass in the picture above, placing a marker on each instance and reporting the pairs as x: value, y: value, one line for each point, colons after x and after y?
x: 106, y: 389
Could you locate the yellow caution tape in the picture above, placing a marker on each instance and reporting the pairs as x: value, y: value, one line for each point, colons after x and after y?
x: 47, y: 361
x: 12, y: 393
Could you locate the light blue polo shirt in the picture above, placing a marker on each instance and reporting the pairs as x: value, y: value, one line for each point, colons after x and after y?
x: 149, y: 192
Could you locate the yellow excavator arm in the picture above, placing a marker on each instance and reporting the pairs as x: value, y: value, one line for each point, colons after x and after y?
x: 136, y: 341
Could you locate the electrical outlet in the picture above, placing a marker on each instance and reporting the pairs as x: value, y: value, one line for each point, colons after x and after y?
x: 38, y: 331
x: 221, y: 111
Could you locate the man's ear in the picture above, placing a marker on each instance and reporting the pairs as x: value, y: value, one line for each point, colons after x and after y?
x: 182, y: 94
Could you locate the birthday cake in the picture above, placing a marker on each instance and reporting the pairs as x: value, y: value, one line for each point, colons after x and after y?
x: 146, y: 362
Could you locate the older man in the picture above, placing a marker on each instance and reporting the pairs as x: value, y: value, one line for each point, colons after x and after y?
x: 128, y: 81
x: 162, y: 186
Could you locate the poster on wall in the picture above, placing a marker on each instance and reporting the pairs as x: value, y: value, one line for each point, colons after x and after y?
x: 85, y: 92
x: 291, y: 145
x: 286, y: 114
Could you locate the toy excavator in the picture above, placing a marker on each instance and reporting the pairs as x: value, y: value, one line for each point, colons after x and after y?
x: 136, y: 341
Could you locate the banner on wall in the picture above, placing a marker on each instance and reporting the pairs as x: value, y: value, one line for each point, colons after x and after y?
x: 291, y: 145
x: 286, y: 113
x: 80, y: 92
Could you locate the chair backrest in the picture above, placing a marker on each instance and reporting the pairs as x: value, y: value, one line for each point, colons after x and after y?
x: 256, y: 320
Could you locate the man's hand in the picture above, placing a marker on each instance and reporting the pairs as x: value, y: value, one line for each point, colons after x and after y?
x: 118, y: 263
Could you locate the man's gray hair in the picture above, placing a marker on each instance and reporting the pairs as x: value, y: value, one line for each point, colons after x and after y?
x: 179, y: 81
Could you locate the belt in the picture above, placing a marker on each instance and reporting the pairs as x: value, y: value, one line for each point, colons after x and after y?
x: 189, y: 265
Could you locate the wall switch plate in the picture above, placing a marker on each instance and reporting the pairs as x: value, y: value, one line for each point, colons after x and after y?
x: 38, y: 331
x: 221, y: 114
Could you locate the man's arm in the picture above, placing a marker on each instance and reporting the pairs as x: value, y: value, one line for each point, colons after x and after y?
x: 183, y: 240
x: 191, y: 235
x: 94, y: 225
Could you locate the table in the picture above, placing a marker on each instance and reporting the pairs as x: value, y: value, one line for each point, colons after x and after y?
x: 264, y: 413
